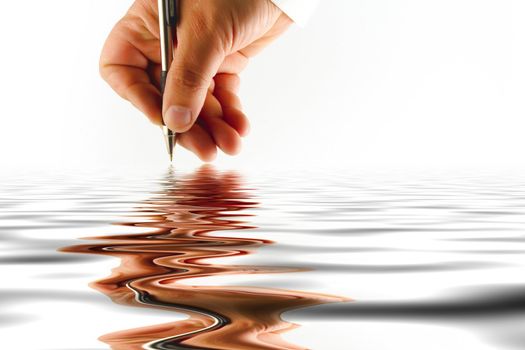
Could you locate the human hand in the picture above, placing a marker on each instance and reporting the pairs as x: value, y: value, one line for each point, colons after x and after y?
x: 215, y: 39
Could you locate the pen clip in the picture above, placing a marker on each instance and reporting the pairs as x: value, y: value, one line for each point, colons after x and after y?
x: 171, y: 12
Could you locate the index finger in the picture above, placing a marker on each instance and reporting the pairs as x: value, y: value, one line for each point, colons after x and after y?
x: 124, y: 66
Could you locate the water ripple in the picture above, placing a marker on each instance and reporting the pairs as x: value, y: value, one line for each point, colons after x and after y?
x: 244, y: 260
x: 153, y: 263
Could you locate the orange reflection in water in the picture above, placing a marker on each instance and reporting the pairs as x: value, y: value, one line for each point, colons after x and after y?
x: 181, y: 217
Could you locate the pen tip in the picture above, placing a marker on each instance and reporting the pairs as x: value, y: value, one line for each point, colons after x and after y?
x: 171, y: 139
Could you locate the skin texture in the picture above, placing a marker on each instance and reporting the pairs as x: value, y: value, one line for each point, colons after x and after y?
x: 215, y: 39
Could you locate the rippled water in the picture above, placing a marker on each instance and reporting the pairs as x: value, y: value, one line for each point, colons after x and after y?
x: 221, y: 260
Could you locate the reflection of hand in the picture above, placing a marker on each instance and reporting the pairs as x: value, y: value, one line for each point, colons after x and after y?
x: 215, y: 38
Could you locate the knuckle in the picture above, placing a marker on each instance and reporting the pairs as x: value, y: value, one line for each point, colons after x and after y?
x: 190, y: 77
x: 105, y: 68
x: 102, y: 71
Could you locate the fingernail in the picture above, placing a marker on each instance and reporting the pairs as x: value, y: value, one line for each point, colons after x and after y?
x: 177, y: 117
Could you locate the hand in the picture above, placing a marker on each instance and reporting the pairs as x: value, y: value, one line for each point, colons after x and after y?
x: 215, y: 39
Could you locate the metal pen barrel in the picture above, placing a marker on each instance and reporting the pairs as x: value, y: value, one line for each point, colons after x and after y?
x: 167, y: 22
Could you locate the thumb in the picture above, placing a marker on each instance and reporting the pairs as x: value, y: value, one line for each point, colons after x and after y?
x: 195, y: 63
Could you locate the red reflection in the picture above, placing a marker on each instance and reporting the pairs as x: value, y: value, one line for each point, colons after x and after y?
x: 181, y: 218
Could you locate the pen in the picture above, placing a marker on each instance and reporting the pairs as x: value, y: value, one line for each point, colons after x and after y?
x: 168, y: 12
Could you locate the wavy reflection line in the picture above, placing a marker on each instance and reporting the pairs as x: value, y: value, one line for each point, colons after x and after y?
x: 181, y: 217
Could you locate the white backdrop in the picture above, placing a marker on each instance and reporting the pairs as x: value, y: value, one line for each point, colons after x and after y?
x: 367, y: 83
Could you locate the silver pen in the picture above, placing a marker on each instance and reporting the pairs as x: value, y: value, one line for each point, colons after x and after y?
x: 168, y: 17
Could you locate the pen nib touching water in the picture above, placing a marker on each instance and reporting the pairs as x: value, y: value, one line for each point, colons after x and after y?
x: 171, y: 138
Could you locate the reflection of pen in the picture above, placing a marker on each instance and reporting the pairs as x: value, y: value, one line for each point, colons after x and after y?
x: 168, y: 12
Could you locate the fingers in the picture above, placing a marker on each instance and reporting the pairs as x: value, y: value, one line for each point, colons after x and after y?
x: 234, y: 63
x: 221, y: 116
x: 233, y: 116
x: 212, y: 129
x: 198, y: 141
x: 226, y: 86
x: 223, y: 134
x: 196, y: 60
x: 230, y: 82
x: 124, y: 68
x: 130, y: 64
x: 133, y: 84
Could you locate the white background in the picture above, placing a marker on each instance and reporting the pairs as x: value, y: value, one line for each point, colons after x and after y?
x: 367, y: 83
x: 404, y: 83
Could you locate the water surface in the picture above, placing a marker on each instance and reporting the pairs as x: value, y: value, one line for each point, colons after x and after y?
x: 220, y: 260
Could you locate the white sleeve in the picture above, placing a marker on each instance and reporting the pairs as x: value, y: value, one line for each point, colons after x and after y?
x: 298, y: 10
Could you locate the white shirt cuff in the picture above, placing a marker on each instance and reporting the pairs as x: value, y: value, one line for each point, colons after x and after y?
x: 298, y: 10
